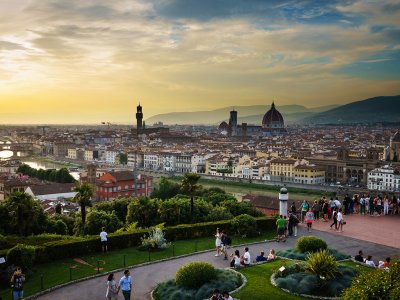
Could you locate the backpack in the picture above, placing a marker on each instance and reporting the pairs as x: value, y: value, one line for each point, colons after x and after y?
x: 228, y: 241
x: 18, y: 283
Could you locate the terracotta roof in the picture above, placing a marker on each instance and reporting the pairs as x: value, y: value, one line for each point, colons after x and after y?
x: 52, y: 188
x: 122, y: 175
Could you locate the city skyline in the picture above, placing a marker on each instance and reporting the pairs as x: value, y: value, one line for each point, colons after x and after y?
x: 93, y: 61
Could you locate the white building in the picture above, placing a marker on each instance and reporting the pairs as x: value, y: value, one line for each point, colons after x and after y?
x: 169, y: 162
x: 151, y: 161
x: 111, y: 156
x: 385, y: 178
x: 198, y: 164
x: 183, y: 163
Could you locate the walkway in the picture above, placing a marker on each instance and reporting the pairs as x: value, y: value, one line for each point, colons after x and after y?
x: 147, y: 277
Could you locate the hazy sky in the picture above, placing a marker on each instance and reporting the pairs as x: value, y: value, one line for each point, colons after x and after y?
x: 87, y: 61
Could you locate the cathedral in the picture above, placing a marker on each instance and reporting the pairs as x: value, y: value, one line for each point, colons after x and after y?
x: 272, y: 125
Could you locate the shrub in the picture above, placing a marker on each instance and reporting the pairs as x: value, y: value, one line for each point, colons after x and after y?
x: 155, y: 240
x: 377, y: 284
x: 322, y: 264
x: 21, y: 255
x: 225, y: 280
x: 310, y: 244
x: 3, y: 242
x: 195, y: 274
x: 244, y: 225
x: 295, y: 254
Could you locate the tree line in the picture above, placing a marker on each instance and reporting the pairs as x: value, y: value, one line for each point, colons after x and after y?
x: 171, y: 204
x: 61, y: 176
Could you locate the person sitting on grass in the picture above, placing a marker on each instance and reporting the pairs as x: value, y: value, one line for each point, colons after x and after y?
x: 227, y: 296
x: 235, y: 259
x: 359, y: 257
x: 281, y: 222
x: 216, y: 295
x: 271, y: 255
x: 261, y: 257
x: 246, y: 258
x: 369, y: 261
x: 384, y: 264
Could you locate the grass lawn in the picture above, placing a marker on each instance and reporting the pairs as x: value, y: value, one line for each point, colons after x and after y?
x: 58, y: 272
x: 259, y: 285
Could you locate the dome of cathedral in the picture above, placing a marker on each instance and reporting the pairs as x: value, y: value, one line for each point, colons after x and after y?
x: 272, y: 116
x: 223, y: 126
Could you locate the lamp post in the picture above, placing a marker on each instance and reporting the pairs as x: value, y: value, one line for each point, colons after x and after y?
x: 283, y: 201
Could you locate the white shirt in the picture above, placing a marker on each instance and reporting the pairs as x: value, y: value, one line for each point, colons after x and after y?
x: 237, y: 260
x: 338, y: 204
x: 370, y: 263
x: 103, y: 236
x: 229, y: 298
x: 339, y: 217
x: 247, y: 258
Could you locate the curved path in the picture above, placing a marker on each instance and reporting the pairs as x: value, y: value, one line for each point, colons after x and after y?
x: 146, y: 277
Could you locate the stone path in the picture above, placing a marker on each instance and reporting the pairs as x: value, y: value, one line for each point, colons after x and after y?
x: 147, y: 277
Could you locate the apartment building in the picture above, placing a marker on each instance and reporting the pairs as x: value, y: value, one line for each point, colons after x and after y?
x: 385, y: 178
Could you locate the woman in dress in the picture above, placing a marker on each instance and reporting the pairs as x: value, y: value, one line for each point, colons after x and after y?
x: 112, y: 289
x: 217, y: 242
x: 309, y: 219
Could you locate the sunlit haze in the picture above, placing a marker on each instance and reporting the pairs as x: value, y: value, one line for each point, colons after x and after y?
x: 91, y: 61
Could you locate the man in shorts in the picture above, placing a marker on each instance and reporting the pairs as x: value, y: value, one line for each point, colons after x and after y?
x: 280, y: 223
x: 103, y: 239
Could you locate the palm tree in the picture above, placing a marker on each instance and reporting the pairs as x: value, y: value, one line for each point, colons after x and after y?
x: 189, y: 184
x: 84, y: 193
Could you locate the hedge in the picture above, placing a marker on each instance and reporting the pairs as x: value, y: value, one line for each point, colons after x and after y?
x: 54, y: 250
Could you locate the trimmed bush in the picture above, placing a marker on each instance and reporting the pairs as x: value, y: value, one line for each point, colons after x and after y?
x: 225, y: 280
x: 3, y: 242
x: 310, y: 244
x: 295, y: 254
x: 195, y: 274
x: 21, y: 255
x: 244, y: 225
x: 322, y: 264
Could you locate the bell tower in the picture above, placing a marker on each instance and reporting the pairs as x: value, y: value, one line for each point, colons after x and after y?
x: 139, y: 117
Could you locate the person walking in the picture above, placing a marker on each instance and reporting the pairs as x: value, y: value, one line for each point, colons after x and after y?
x: 17, y: 284
x: 309, y: 219
x: 103, y: 239
x: 363, y: 203
x: 334, y: 217
x: 125, y: 284
x: 316, y: 209
x: 386, y: 205
x: 112, y: 289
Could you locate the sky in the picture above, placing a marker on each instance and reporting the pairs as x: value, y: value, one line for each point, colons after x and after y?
x: 93, y: 61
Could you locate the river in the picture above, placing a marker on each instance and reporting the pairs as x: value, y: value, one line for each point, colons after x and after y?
x: 43, y: 164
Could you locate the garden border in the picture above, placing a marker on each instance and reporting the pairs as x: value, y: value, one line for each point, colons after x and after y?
x: 46, y: 291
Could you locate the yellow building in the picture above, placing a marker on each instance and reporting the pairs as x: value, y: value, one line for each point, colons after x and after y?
x: 309, y: 174
x: 282, y: 169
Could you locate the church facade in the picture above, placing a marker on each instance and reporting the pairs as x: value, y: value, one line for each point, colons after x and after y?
x: 272, y: 125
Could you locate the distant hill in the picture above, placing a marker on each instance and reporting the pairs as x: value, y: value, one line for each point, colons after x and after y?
x: 377, y: 109
x: 249, y: 114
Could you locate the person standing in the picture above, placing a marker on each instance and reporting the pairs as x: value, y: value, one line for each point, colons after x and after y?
x: 218, y: 242
x: 304, y: 208
x: 112, y: 289
x: 103, y: 239
x: 280, y: 223
x: 293, y: 221
x: 386, y: 205
x: 325, y: 208
x: 371, y: 208
x: 293, y: 208
x: 309, y: 219
x: 125, y: 284
x: 340, y: 220
x: 363, y: 203
x: 17, y: 284
x: 316, y: 209
x: 224, y: 244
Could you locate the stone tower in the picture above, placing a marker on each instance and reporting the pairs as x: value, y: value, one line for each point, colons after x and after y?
x: 139, y: 117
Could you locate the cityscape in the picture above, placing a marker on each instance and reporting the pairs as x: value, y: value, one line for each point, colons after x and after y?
x: 199, y: 150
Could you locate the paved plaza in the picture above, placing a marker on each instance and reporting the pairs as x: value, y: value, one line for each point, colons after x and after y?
x: 376, y: 236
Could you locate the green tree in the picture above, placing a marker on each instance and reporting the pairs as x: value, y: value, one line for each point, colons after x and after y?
x: 174, y: 211
x: 25, y: 215
x: 165, y: 189
x: 143, y: 210
x: 123, y: 158
x: 57, y: 227
x: 97, y: 219
x: 84, y: 194
x: 189, y: 184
